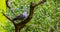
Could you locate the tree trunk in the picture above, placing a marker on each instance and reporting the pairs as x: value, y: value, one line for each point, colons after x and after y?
x: 17, y: 30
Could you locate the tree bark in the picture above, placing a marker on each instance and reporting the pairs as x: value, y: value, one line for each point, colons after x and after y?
x: 17, y: 30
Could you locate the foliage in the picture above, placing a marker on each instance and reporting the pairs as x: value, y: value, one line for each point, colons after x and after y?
x: 45, y: 17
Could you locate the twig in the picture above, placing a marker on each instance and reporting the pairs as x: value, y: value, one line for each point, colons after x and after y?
x: 9, y: 5
x: 40, y: 2
x: 8, y: 18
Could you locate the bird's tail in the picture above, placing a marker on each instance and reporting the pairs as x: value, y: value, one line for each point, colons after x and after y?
x: 14, y: 19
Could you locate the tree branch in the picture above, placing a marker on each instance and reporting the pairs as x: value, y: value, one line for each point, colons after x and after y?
x: 40, y: 2
x: 23, y: 23
x: 8, y: 18
x: 9, y: 5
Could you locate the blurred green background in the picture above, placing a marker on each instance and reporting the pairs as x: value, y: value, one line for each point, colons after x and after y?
x: 46, y: 16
